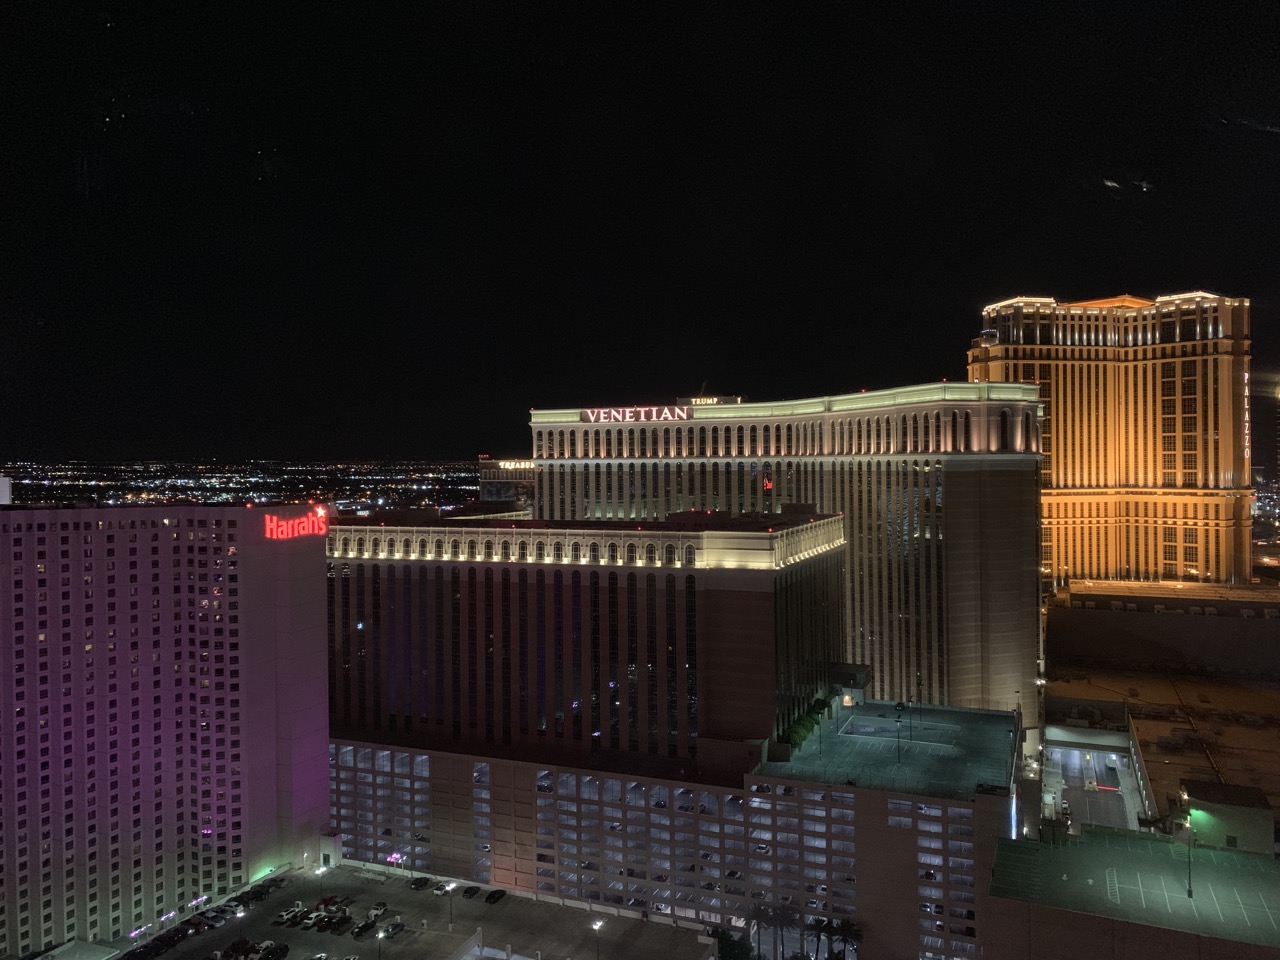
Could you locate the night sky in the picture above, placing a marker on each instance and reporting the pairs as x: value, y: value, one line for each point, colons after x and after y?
x: 325, y: 230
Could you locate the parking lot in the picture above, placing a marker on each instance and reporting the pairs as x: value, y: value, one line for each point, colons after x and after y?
x: 557, y: 932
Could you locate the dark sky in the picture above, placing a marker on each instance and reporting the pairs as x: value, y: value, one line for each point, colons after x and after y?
x: 323, y: 230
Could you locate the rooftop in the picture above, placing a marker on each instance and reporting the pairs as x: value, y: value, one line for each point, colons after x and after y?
x: 925, y: 393
x: 686, y: 521
x: 944, y: 752
x: 1188, y: 728
x: 1142, y: 878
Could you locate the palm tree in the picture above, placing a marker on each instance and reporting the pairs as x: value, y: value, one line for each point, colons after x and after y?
x: 784, y: 917
x: 848, y: 932
x: 817, y: 926
x: 761, y: 916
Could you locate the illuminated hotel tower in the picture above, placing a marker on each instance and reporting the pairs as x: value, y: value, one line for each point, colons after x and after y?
x: 1146, y: 435
x: 162, y: 683
x: 937, y: 484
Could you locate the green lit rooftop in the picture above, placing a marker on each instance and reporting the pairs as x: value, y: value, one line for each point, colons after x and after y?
x: 1142, y: 878
x: 947, y: 752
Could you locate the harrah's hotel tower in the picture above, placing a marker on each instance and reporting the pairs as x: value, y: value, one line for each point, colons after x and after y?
x: 162, y: 688
x: 938, y: 486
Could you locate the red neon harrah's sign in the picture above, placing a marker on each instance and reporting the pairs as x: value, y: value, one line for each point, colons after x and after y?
x: 280, y: 528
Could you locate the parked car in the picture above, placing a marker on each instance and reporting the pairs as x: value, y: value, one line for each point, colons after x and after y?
x: 420, y: 883
x: 363, y: 927
x: 324, y: 923
x: 470, y: 892
x: 392, y: 929
x: 496, y: 895
x: 377, y: 910
x: 312, y: 919
x: 341, y: 924
x: 441, y: 888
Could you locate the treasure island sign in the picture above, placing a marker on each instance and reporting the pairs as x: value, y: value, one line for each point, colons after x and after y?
x: 634, y: 414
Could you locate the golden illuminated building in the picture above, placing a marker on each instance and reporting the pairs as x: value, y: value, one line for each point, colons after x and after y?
x: 1146, y: 436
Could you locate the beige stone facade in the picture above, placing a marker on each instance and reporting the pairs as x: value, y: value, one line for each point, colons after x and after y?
x: 1147, y: 431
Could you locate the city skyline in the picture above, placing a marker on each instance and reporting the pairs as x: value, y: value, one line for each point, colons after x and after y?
x: 309, y: 227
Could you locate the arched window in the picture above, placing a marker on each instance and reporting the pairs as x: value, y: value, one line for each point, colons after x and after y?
x: 753, y: 448
x: 471, y: 549
x: 575, y: 552
x: 594, y: 552
x: 650, y: 554
x: 540, y: 551
x: 422, y: 549
x: 346, y: 546
x: 506, y: 549
x: 613, y: 553
x: 406, y: 547
x: 690, y: 555
x: 488, y: 549
x: 360, y: 546
x: 558, y: 551
x: 669, y: 554
x: 631, y: 553
x: 522, y: 551
x: 455, y: 549
x: 439, y: 554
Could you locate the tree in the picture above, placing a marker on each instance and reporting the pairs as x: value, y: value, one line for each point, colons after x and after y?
x: 848, y: 932
x: 817, y: 926
x: 730, y: 949
x: 785, y: 917
x: 761, y: 916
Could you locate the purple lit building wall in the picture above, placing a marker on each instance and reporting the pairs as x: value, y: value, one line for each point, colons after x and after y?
x: 163, y: 731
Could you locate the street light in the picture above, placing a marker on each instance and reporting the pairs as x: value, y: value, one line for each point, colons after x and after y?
x: 448, y: 891
x: 379, y: 939
x: 1191, y: 842
x: 897, y: 738
x: 596, y: 927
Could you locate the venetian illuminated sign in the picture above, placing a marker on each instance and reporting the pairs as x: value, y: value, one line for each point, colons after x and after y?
x: 634, y: 414
x: 286, y: 528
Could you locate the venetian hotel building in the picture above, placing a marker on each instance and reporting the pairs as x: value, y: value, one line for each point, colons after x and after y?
x: 1147, y: 427
x: 162, y: 693
x: 938, y: 486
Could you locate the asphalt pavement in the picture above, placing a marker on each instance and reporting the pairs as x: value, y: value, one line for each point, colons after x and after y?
x: 435, y: 926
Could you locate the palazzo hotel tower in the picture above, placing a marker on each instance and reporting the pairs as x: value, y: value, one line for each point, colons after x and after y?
x: 1146, y: 437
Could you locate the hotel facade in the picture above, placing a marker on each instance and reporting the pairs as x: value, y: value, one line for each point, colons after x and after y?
x: 938, y: 486
x: 162, y: 684
x: 1147, y: 433
x: 597, y: 713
